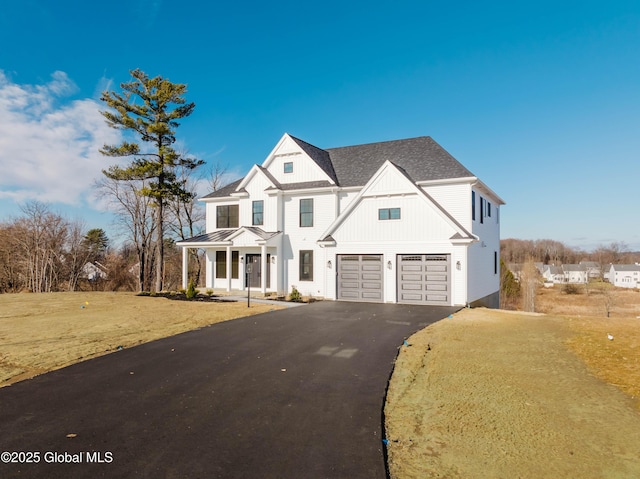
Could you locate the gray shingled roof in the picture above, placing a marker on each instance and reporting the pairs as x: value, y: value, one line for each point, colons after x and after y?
x: 626, y: 267
x: 421, y: 159
x: 225, y: 190
x: 573, y: 267
x: 321, y: 157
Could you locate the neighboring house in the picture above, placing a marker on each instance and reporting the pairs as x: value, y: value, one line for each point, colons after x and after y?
x: 574, y: 273
x: 94, y: 271
x: 625, y: 275
x: 399, y: 221
x: 553, y: 274
x: 594, y: 270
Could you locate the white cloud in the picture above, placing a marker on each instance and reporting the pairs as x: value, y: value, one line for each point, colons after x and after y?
x: 49, y: 147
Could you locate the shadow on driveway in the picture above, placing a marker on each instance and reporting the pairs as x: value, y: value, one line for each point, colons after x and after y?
x: 287, y: 394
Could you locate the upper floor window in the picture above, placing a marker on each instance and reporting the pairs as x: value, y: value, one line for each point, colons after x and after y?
x: 288, y: 167
x: 257, y: 210
x: 227, y: 216
x: 473, y: 205
x: 481, y: 209
x: 306, y: 212
x: 389, y: 214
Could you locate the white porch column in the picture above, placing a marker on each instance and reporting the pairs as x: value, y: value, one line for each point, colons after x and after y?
x: 263, y: 259
x: 228, y: 268
x: 185, y: 267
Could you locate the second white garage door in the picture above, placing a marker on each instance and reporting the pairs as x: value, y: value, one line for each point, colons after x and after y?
x: 424, y: 278
x: 360, y: 277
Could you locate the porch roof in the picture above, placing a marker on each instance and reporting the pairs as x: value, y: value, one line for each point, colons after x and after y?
x: 225, y: 237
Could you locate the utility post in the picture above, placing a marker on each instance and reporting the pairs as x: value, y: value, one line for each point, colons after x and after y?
x: 248, y: 270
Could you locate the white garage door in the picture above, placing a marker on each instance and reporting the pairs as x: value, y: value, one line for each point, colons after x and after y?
x: 424, y: 278
x: 360, y: 277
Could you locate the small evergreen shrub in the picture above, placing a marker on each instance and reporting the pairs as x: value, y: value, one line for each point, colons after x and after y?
x: 191, y: 290
x: 295, y: 295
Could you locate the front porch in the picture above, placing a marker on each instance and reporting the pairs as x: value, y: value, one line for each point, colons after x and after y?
x: 237, y: 260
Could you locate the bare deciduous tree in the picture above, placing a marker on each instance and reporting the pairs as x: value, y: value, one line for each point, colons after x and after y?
x: 134, y: 213
x: 529, y: 283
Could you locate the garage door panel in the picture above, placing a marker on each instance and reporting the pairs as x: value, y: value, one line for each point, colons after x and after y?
x: 436, y: 277
x: 424, y: 279
x: 436, y: 268
x: 372, y: 276
x: 411, y: 297
x: 436, y: 287
x: 411, y: 277
x: 437, y: 298
x: 353, y: 276
x: 411, y: 267
x: 351, y: 294
x: 364, y: 277
x: 350, y: 267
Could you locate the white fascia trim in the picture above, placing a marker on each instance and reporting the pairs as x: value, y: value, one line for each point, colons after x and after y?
x: 183, y: 244
x: 220, y: 199
x: 488, y: 191
x: 448, y: 181
x: 272, y: 153
x: 324, y: 189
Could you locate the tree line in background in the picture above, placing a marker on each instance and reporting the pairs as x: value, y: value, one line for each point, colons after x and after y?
x: 549, y: 251
x: 521, y: 293
x: 42, y: 251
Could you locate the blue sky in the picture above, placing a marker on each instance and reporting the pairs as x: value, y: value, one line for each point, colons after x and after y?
x: 541, y: 100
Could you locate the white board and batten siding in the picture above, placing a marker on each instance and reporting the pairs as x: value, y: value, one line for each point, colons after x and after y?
x: 484, y: 255
x: 303, y: 168
x: 256, y: 189
x: 454, y: 198
x: 305, y: 238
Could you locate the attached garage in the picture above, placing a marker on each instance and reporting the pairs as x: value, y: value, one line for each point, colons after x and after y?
x: 424, y: 278
x: 360, y: 277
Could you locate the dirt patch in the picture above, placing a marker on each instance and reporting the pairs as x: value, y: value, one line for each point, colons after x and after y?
x: 43, y: 332
x: 500, y: 395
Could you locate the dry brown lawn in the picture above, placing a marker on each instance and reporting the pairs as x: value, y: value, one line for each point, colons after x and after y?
x: 615, y: 361
x: 496, y: 394
x: 43, y: 332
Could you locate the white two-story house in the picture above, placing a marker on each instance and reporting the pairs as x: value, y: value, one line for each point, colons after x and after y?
x: 398, y: 221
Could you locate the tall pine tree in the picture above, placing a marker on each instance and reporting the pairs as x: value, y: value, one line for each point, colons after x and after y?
x: 149, y: 109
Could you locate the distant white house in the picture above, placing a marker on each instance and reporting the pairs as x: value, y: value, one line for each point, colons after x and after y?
x: 553, y: 274
x: 594, y: 270
x: 399, y: 222
x: 574, y: 273
x: 94, y: 271
x: 625, y: 275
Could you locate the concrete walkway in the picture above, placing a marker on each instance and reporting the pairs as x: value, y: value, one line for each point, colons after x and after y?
x: 295, y: 393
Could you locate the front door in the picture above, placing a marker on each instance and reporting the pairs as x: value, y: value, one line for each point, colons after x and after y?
x: 255, y: 276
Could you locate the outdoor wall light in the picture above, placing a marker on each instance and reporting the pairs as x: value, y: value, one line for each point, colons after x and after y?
x: 329, y: 264
x: 389, y: 265
x: 242, y: 259
x: 273, y: 260
x: 458, y: 265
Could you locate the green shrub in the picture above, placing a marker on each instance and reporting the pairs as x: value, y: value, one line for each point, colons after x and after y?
x: 191, y: 290
x: 209, y: 292
x: 295, y: 295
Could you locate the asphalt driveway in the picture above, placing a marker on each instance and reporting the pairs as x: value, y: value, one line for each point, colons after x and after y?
x: 296, y: 393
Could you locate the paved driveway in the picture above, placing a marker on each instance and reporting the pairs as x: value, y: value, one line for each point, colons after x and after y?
x: 296, y: 393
